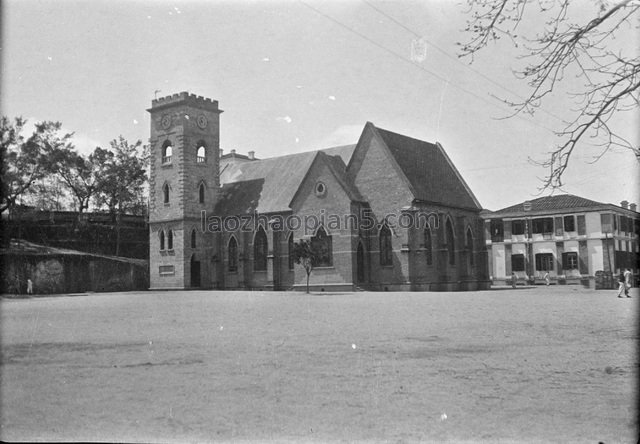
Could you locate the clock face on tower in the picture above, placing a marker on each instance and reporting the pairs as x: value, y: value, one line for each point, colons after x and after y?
x: 165, y: 122
x: 202, y: 121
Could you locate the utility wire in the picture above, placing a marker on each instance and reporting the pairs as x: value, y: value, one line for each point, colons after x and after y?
x: 445, y: 53
x: 401, y: 57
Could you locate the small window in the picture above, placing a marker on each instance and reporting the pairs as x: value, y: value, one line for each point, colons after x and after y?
x: 605, y: 222
x: 386, y: 249
x: 623, y: 224
x: 290, y: 248
x: 517, y: 262
x: 569, y: 223
x: 469, y: 246
x: 167, y: 151
x: 161, y: 240
x: 201, y: 154
x: 193, y: 238
x: 451, y: 250
x: 559, y: 226
x: 570, y: 261
x: 170, y: 240
x: 165, y: 193
x: 321, y: 244
x: 233, y: 254
x: 260, y: 250
x: 517, y: 227
x: 321, y: 189
x: 543, y: 225
x: 544, y: 262
x: 497, y: 230
x: 428, y: 246
x: 201, y: 193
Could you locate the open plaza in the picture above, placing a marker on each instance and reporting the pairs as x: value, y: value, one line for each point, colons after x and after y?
x: 538, y: 364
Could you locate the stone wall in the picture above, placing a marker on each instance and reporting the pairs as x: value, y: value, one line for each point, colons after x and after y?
x: 72, y: 273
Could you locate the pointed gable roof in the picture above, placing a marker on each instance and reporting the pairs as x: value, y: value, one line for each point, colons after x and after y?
x: 430, y: 173
x: 280, y: 177
x: 335, y: 164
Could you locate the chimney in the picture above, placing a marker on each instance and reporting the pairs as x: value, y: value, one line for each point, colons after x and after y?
x: 633, y: 207
x: 624, y: 204
x: 233, y: 152
x: 526, y: 206
x: 252, y: 155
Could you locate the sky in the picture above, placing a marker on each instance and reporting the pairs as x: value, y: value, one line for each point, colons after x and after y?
x: 294, y: 76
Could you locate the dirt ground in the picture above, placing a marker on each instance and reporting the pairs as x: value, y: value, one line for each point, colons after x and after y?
x: 546, y: 364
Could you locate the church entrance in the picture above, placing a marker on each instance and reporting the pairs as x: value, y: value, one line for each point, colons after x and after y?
x: 195, y: 272
x: 360, y: 264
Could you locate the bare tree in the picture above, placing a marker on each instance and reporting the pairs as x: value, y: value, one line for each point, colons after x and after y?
x: 609, y: 74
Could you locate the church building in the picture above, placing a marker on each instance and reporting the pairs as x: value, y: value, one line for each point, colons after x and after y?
x: 389, y: 213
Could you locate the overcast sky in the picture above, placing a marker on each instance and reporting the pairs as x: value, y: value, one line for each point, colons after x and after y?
x: 295, y: 76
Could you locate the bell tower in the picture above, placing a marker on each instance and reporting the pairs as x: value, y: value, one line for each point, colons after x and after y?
x: 184, y: 180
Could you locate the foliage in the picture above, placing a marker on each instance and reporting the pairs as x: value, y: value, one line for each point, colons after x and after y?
x: 121, y: 177
x: 610, y: 77
x: 26, y: 161
x: 306, y: 255
x: 48, y: 193
x: 78, y: 173
x: 39, y: 169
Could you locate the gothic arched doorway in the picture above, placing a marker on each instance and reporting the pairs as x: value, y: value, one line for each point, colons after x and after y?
x: 195, y: 272
x: 360, y: 273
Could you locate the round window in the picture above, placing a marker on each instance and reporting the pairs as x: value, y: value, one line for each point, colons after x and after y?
x: 321, y: 189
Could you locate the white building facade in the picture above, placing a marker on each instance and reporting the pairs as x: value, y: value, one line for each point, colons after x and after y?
x: 574, y: 240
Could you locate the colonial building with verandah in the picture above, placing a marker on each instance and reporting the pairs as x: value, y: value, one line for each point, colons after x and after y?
x: 571, y: 238
x: 387, y: 213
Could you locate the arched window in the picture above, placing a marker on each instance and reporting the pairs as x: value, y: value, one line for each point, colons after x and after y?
x: 167, y: 151
x: 165, y: 193
x: 193, y: 238
x: 386, y: 250
x: 470, y: 246
x: 161, y: 240
x: 451, y: 247
x: 321, y: 243
x: 201, y: 154
x: 233, y: 254
x: 170, y: 240
x: 428, y: 246
x: 290, y: 248
x: 201, y: 193
x: 260, y: 248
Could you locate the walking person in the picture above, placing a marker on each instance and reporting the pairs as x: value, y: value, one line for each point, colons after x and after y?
x: 29, y: 286
x: 627, y: 282
x: 622, y: 287
x: 546, y: 278
x: 514, y: 279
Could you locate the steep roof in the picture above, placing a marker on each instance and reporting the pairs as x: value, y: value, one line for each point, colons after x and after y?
x: 239, y: 198
x: 280, y: 179
x: 431, y: 174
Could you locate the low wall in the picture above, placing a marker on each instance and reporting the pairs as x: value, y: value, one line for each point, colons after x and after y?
x: 78, y: 273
